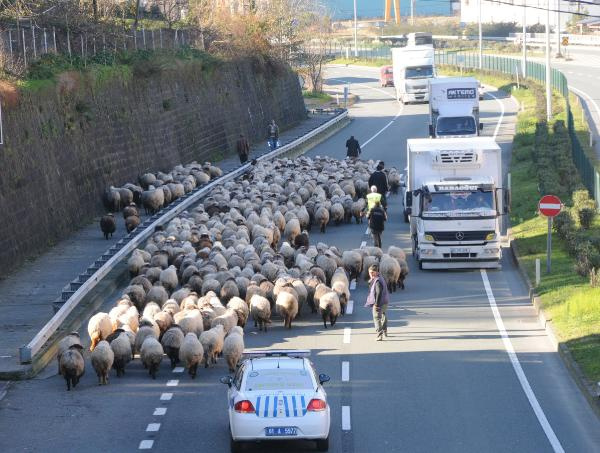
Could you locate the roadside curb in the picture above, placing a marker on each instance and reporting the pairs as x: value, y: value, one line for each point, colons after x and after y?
x: 586, y: 387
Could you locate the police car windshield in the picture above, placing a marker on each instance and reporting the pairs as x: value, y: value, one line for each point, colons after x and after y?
x: 419, y: 72
x: 460, y: 125
x: 278, y: 379
x: 458, y: 201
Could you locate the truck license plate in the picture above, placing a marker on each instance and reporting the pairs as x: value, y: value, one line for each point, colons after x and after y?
x: 459, y: 251
x: 281, y: 431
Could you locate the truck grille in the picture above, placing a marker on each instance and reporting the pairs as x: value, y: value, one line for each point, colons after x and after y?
x: 458, y: 157
x: 449, y: 236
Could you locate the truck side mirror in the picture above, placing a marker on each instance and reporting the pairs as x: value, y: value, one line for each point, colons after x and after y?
x: 431, y: 130
x: 409, y: 196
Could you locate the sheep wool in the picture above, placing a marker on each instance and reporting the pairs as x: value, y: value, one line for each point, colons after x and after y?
x: 71, y: 365
x: 102, y: 361
x: 121, y: 347
x: 260, y: 309
x: 171, y: 342
x: 99, y: 327
x: 151, y: 354
x: 191, y: 353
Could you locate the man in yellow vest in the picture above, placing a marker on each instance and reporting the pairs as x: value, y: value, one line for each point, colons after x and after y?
x: 373, y: 198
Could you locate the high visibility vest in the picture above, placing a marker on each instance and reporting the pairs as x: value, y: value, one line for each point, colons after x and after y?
x: 372, y: 198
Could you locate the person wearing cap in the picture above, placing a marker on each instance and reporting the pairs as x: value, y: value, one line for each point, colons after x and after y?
x: 377, y: 218
x: 379, y: 178
x: 372, y: 197
x: 378, y: 299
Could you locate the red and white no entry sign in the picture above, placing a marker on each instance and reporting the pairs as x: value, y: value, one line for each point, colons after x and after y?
x: 550, y: 205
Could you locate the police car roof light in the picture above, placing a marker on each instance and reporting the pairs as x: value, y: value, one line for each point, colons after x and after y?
x: 297, y: 353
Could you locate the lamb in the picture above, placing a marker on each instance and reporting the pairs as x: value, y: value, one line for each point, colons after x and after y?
x: 287, y: 307
x: 352, y: 261
x: 260, y: 309
x: 241, y: 309
x: 191, y: 353
x: 228, y: 320
x: 102, y: 361
x: 329, y: 307
x: 66, y: 343
x: 171, y: 342
x: 99, y: 327
x: 108, y: 225
x: 390, y: 270
x: 212, y: 342
x: 233, y: 348
x: 151, y: 354
x: 322, y: 218
x: 121, y: 347
x: 71, y: 365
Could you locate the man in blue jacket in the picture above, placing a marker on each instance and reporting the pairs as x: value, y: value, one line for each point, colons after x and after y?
x: 379, y: 299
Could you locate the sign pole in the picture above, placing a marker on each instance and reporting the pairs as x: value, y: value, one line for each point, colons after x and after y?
x: 549, y: 244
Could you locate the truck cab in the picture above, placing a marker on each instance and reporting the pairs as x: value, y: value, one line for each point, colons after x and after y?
x: 386, y: 76
x: 412, y: 68
x: 454, y: 107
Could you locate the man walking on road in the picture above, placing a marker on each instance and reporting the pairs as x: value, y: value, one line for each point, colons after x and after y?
x: 377, y: 218
x: 378, y: 299
x: 273, y: 134
x: 379, y: 178
x: 243, y: 148
x: 372, y: 198
x: 353, y: 147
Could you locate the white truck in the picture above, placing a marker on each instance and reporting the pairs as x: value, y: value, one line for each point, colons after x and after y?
x: 454, y: 107
x: 454, y: 199
x: 413, y: 66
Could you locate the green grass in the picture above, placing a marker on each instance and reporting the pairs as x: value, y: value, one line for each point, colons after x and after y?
x: 363, y: 62
x: 320, y: 96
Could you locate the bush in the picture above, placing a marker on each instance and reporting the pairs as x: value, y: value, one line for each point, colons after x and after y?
x: 587, y: 258
x: 564, y: 223
x: 581, y: 200
x: 586, y: 217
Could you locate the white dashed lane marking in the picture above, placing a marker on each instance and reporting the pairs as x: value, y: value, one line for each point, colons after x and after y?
x: 178, y: 369
x: 146, y: 444
x: 173, y: 383
x: 347, y: 332
x: 166, y: 396
x: 160, y: 411
x: 353, y: 285
x: 153, y: 427
x: 346, y: 425
x: 367, y: 232
x: 350, y: 307
x: 345, y: 371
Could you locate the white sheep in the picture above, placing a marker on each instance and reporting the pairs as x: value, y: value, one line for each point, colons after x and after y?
x: 99, y: 328
x: 191, y: 353
x: 66, y: 343
x: 260, y: 309
x: 233, y: 348
x: 102, y: 361
x: 322, y: 218
x: 287, y: 307
x: 121, y: 347
x: 190, y: 321
x: 150, y: 310
x: 212, y: 342
x: 71, y: 365
x: 352, y: 261
x: 151, y: 354
x: 390, y: 271
x: 146, y: 330
x: 241, y: 309
x: 228, y: 320
x: 292, y: 229
x: 329, y: 307
x: 168, y: 278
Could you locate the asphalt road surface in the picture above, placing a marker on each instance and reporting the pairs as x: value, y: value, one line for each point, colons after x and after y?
x: 466, y: 368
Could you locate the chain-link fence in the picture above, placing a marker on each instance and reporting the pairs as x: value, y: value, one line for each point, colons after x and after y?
x: 537, y: 72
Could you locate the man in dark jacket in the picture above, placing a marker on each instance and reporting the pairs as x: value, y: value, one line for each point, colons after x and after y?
x: 243, y: 148
x: 273, y: 134
x: 379, y: 178
x: 379, y: 299
x: 377, y: 218
x: 353, y: 147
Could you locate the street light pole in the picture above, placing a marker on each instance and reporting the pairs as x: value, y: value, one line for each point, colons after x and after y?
x: 524, y: 40
x: 548, y: 71
x: 355, y: 32
x: 480, y: 39
x: 558, y: 54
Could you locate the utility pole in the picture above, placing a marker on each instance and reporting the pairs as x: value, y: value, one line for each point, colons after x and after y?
x: 355, y: 32
x: 524, y: 39
x: 412, y: 12
x: 558, y: 54
x: 480, y: 39
x: 548, y: 70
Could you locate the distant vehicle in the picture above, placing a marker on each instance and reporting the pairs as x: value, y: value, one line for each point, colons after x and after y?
x: 275, y: 395
x: 419, y: 38
x: 412, y: 67
x: 386, y: 76
x: 454, y: 107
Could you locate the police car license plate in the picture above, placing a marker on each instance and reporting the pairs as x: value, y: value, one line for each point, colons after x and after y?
x: 281, y: 431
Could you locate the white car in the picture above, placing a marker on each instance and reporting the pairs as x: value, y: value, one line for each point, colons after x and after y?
x: 277, y: 394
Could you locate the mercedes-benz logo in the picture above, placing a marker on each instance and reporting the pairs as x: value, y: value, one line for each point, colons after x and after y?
x: 460, y: 236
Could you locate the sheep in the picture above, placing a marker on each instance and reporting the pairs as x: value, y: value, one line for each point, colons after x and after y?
x: 132, y: 222
x: 108, y: 225
x: 164, y: 321
x: 233, y: 348
x: 135, y: 263
x: 168, y: 278
x: 102, y: 361
x: 301, y: 240
x: 146, y: 180
x: 287, y: 307
x: 322, y: 218
x: 151, y: 354
x: 136, y: 294
x: 153, y: 199
x: 171, y: 307
x: 66, y: 343
x: 229, y: 289
x: 228, y: 320
x: 352, y: 261
x: 112, y: 199
x: 241, y: 309
x: 212, y: 342
x: 99, y: 327
x: 397, y: 253
x: 71, y: 365
x: 301, y: 292
x: 341, y: 288
x: 329, y: 307
x: 146, y: 330
x: 260, y: 309
x: 358, y: 208
x: 328, y: 265
x: 158, y: 294
x: 394, y: 179
x: 130, y: 210
x: 150, y: 310
x: 130, y: 318
x: 191, y: 353
x: 121, y: 347
x: 336, y: 213
x: 403, y: 273
x: 171, y: 342
x: 390, y: 271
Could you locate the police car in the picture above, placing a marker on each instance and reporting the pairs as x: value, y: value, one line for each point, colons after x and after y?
x: 277, y: 394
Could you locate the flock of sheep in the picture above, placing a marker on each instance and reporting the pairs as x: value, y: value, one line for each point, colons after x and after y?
x: 154, y: 192
x: 243, y: 252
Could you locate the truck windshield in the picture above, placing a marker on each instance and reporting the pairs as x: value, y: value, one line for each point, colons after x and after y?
x: 419, y: 72
x: 459, y: 125
x: 476, y: 201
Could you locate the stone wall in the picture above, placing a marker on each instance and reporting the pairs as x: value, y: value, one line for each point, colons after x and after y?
x: 66, y: 142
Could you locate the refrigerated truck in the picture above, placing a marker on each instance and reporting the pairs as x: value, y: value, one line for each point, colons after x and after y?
x: 413, y: 66
x: 454, y: 200
x: 454, y: 107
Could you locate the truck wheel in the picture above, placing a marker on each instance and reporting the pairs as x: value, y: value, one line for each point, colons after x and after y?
x: 405, y: 217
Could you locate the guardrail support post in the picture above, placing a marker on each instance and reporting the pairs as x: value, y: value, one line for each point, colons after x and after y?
x: 24, y: 354
x: 537, y: 272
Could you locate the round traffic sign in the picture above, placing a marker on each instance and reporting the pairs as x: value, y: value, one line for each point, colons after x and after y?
x: 550, y: 205
x: 565, y: 41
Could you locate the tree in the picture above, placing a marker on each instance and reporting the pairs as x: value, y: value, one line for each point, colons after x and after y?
x: 312, y: 57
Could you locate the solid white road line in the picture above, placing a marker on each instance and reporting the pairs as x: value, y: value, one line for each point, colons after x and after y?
x: 173, y: 383
x: 160, y: 411
x: 353, y: 285
x: 345, y: 371
x: 166, y: 396
x: 178, y: 369
x: 539, y: 413
x: 346, y: 425
x: 152, y: 427
x: 350, y: 307
x: 499, y: 123
x: 146, y: 444
x: 347, y: 332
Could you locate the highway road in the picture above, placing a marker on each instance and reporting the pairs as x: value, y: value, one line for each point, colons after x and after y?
x: 466, y: 368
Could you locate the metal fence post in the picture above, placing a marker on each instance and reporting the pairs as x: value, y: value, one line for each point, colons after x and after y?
x: 69, y: 44
x: 82, y: 51
x: 24, y: 49
x: 160, y: 36
x: 33, y: 41
x: 152, y: 35
x: 54, y: 38
x: 45, y: 41
x: 144, y: 37
x: 135, y: 39
x: 12, y: 58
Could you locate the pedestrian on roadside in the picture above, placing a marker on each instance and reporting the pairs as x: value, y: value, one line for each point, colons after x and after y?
x: 377, y: 218
x: 378, y: 299
x: 353, y: 147
x: 273, y: 134
x: 372, y: 198
x: 243, y: 149
x: 379, y: 178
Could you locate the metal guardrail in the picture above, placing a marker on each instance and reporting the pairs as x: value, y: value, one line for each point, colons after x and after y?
x: 124, y: 247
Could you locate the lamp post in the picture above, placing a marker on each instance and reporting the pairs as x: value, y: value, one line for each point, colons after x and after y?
x: 524, y: 40
x: 355, y: 32
x: 548, y: 71
x: 558, y: 54
x: 480, y: 39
